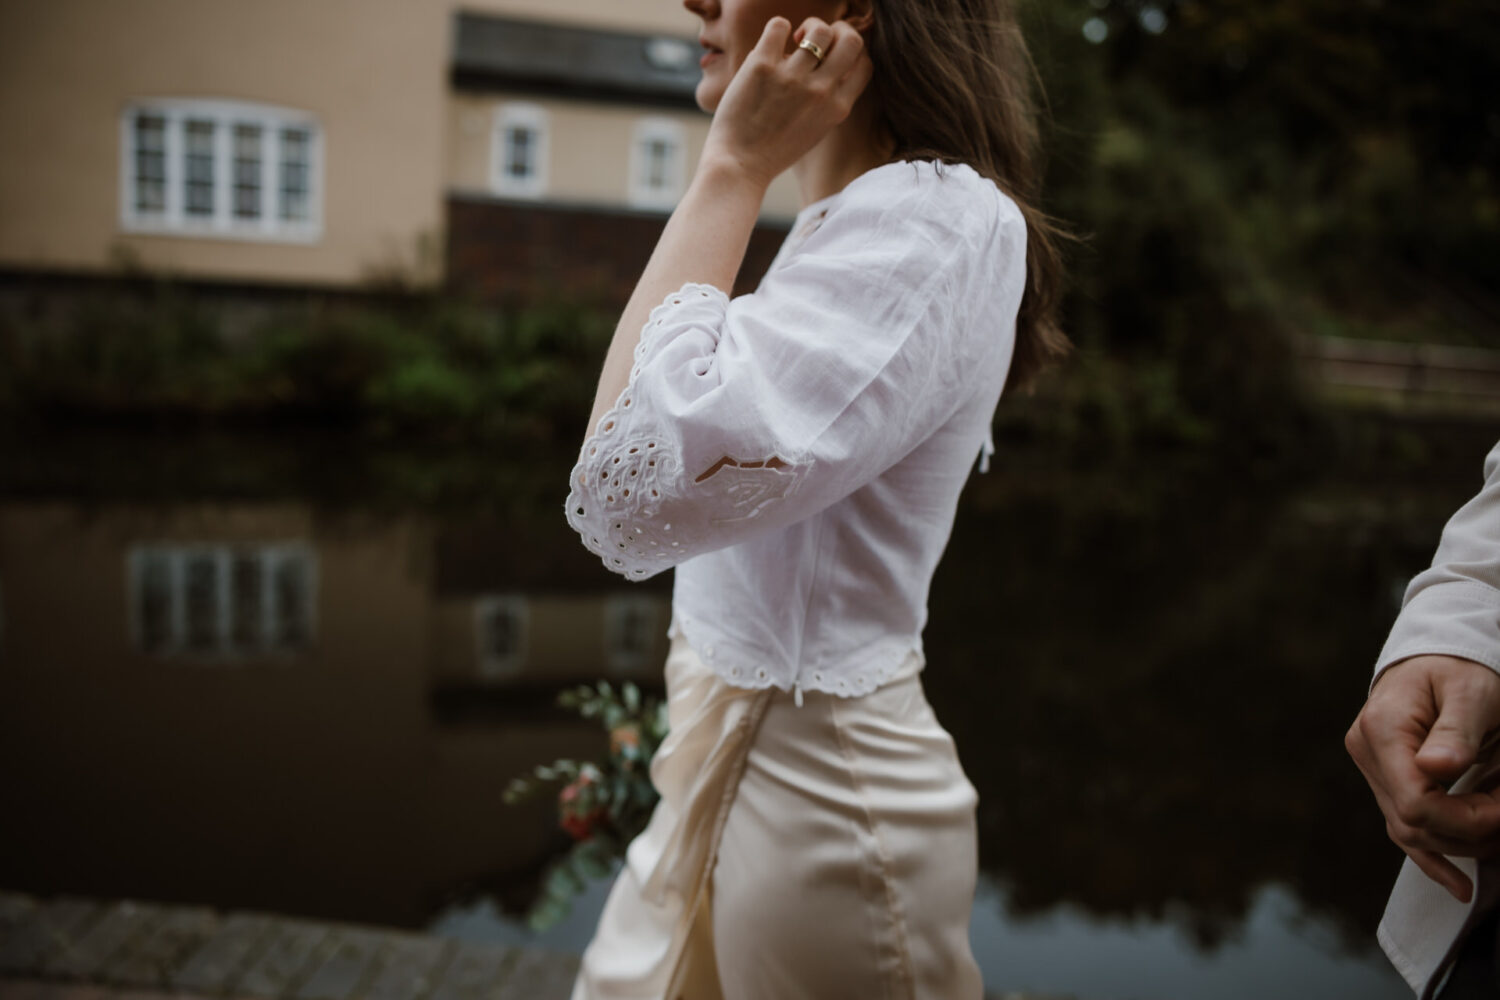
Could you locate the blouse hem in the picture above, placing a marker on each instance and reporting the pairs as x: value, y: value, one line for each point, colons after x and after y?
x: 895, y: 659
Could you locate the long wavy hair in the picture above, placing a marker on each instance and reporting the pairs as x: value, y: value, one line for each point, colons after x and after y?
x: 954, y: 83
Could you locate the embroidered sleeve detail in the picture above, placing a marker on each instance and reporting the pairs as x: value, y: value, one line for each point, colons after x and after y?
x: 631, y: 500
x: 629, y: 463
x: 744, y: 489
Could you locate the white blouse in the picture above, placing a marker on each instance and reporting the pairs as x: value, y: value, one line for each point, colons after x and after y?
x: 798, y: 452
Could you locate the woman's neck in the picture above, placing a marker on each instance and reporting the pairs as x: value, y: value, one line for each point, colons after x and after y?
x: 855, y: 145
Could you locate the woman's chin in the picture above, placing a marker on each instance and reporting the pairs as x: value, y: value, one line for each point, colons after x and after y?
x: 708, y: 96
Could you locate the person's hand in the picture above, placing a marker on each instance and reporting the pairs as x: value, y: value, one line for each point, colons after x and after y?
x: 1422, y: 728
x: 783, y: 101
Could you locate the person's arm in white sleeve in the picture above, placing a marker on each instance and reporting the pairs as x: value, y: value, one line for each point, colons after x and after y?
x: 746, y: 415
x: 1435, y: 698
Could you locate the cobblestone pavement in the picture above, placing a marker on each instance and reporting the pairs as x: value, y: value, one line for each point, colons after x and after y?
x: 73, y: 948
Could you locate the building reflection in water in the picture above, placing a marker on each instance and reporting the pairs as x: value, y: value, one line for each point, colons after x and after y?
x: 315, y: 712
x: 276, y: 707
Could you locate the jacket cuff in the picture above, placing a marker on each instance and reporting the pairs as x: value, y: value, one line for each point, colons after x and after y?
x: 1459, y: 618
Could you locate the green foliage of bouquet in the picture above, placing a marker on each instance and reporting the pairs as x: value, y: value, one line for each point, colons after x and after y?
x: 604, y: 805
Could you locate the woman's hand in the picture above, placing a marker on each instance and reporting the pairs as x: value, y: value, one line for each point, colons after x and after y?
x: 783, y: 101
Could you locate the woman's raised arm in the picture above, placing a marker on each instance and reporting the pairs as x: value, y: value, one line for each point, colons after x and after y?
x: 704, y: 241
x: 777, y: 107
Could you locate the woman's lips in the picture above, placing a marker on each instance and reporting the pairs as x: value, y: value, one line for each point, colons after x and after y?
x: 709, y: 56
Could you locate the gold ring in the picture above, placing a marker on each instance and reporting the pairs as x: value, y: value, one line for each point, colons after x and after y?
x: 813, y: 47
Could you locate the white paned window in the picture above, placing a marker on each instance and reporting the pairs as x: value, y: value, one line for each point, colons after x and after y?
x: 198, y: 167
x: 658, y: 163
x: 249, y: 165
x: 500, y: 627
x: 221, y: 168
x: 518, y: 154
x: 222, y: 602
x: 631, y: 623
x: 149, y: 187
x: 295, y: 165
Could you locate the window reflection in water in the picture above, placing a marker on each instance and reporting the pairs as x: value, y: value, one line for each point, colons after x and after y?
x: 501, y: 629
x: 155, y: 616
x: 217, y: 600
x: 202, y: 602
x: 293, y: 604
x: 630, y: 622
x: 246, y: 605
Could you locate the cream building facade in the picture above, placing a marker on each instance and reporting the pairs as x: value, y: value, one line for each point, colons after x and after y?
x: 330, y: 143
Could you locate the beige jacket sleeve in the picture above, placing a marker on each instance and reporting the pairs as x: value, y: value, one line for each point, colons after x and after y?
x: 1453, y: 608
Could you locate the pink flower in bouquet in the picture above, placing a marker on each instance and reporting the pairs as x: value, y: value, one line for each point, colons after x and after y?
x: 580, y: 826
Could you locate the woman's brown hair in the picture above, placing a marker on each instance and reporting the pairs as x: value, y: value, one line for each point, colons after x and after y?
x: 953, y: 83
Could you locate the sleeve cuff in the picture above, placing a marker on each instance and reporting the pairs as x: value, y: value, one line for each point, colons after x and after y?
x: 631, y: 462
x: 1447, y: 619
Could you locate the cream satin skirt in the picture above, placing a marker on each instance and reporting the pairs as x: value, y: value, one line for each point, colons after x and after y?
x: 820, y: 852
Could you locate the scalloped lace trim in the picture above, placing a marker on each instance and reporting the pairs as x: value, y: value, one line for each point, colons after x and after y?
x: 643, y: 462
x: 653, y: 323
x: 889, y: 663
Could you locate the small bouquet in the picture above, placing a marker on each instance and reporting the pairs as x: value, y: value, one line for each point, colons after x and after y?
x: 602, y: 806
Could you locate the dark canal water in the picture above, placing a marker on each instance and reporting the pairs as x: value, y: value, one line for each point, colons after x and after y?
x: 296, y: 676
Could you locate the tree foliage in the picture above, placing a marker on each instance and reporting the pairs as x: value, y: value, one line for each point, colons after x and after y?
x: 1246, y: 174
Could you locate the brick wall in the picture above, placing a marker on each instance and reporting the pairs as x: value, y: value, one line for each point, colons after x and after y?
x: 510, y: 251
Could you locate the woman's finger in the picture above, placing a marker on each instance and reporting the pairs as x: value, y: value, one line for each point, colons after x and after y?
x: 819, y: 33
x: 844, y: 49
x: 853, y: 84
x: 773, y: 39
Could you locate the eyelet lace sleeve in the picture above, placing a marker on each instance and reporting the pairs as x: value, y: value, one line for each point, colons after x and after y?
x: 741, y: 416
x: 630, y: 469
